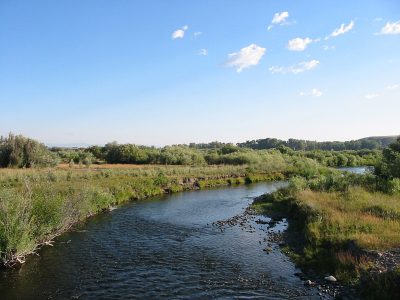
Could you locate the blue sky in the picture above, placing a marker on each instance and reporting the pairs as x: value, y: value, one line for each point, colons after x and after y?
x: 166, y: 72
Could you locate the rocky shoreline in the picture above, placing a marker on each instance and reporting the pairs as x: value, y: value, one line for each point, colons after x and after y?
x: 276, y: 240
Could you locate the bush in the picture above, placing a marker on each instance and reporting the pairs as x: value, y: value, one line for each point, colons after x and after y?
x: 298, y: 183
x: 21, y: 152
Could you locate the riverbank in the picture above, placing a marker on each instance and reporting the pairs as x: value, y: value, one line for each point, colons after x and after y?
x: 352, y: 235
x: 36, y: 205
x: 163, y: 247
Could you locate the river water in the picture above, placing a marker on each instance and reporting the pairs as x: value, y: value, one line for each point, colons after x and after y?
x: 357, y: 170
x: 163, y: 248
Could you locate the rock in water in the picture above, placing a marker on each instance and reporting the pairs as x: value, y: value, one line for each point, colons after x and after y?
x: 309, y: 283
x: 330, y: 278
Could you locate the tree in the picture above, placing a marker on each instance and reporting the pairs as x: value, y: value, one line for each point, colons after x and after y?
x: 22, y: 152
x: 389, y: 168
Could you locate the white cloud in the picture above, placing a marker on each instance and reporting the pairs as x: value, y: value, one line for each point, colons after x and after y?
x: 299, y: 44
x: 383, y: 92
x: 203, y: 52
x: 326, y: 47
x: 341, y: 30
x: 392, y: 87
x: 371, y: 96
x: 391, y: 28
x: 378, y: 19
x: 179, y: 33
x: 247, y: 57
x: 295, y: 69
x: 314, y: 93
x: 197, y: 33
x: 280, y: 17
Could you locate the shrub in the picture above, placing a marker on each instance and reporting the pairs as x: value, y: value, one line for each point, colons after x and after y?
x: 21, y: 152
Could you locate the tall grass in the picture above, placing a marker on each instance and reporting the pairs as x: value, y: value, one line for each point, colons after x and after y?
x: 38, y: 204
x: 370, y: 219
x: 338, y: 220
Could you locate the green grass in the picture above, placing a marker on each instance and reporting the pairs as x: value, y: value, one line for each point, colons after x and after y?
x: 38, y: 204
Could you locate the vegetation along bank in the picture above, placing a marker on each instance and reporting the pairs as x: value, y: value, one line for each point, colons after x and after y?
x: 347, y: 225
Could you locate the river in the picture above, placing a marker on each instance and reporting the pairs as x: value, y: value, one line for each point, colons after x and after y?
x: 357, y: 170
x: 163, y: 248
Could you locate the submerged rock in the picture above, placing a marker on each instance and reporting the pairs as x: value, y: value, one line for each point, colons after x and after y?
x: 268, y: 249
x: 309, y: 283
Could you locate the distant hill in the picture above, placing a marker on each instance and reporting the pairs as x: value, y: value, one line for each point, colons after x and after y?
x: 370, y: 143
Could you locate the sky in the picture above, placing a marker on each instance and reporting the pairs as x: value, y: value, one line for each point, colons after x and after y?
x: 158, y: 72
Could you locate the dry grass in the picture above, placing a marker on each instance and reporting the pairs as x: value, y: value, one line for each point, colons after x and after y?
x: 372, y: 220
x: 104, y: 166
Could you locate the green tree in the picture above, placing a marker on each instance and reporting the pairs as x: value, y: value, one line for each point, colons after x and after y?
x: 389, y: 168
x: 22, y: 152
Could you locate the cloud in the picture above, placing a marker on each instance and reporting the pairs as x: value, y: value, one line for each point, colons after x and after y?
x: 295, y: 69
x: 203, y: 52
x: 371, y: 96
x: 313, y: 93
x: 392, y: 87
x: 391, y: 28
x: 299, y: 44
x: 316, y: 93
x: 383, y: 92
x: 341, y: 30
x: 197, y: 33
x: 326, y: 47
x: 279, y: 19
x: 179, y: 33
x: 247, y: 57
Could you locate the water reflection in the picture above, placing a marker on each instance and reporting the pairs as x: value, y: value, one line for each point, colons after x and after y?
x: 164, y: 247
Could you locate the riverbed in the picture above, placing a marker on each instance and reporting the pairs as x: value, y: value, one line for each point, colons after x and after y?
x: 166, y: 247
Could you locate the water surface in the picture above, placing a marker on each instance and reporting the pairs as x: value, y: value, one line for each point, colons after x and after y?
x: 165, y: 247
x: 357, y: 170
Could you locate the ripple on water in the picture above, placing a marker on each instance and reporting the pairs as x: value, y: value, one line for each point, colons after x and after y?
x: 161, y: 248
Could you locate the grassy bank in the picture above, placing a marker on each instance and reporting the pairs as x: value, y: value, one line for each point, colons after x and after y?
x: 38, y: 204
x: 342, y: 230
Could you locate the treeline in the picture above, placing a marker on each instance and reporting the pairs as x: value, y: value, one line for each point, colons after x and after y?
x: 114, y: 153
x: 346, y: 158
x: 221, y: 153
x: 372, y: 143
x: 21, y: 152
